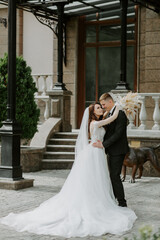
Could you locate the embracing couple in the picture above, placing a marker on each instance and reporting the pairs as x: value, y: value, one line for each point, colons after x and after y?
x: 91, y: 201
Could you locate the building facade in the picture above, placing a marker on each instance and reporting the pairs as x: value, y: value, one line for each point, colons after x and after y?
x: 93, y: 54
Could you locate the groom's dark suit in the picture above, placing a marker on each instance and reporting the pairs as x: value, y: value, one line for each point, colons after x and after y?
x: 116, y: 146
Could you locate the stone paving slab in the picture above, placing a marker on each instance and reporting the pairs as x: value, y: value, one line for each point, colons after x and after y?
x: 143, y: 197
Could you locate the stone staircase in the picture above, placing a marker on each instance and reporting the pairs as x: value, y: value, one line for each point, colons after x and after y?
x: 60, y: 151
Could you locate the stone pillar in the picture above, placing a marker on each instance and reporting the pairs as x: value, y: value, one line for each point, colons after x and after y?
x: 61, y: 107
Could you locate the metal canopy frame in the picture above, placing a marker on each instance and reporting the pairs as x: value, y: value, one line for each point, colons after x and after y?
x: 48, y: 8
x: 150, y: 4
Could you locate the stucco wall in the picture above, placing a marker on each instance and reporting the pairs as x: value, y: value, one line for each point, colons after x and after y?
x: 37, y: 45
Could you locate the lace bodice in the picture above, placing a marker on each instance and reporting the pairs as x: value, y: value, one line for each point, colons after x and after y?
x: 97, y: 133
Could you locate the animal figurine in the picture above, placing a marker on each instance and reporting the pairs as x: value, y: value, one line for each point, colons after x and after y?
x: 135, y: 159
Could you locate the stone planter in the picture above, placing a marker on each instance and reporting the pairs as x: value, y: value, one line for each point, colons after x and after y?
x: 31, y: 158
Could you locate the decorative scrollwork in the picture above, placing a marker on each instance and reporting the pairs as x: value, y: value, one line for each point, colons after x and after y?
x: 48, y: 22
x: 53, y: 25
x: 3, y: 21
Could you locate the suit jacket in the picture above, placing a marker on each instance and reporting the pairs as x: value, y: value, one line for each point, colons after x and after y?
x: 115, y: 140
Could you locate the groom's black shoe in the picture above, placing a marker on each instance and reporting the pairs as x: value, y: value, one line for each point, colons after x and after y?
x: 122, y: 203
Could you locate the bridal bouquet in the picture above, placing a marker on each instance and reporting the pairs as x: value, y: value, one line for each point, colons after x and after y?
x: 129, y: 103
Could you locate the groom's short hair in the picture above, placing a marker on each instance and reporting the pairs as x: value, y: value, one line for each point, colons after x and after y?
x: 105, y: 96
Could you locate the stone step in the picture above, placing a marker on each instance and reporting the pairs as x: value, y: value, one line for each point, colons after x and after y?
x: 60, y: 151
x: 60, y: 141
x: 70, y: 135
x: 61, y: 148
x: 57, y: 163
x: 59, y: 155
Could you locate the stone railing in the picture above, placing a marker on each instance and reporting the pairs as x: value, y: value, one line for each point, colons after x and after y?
x: 44, y: 83
x: 52, y: 103
x: 147, y: 121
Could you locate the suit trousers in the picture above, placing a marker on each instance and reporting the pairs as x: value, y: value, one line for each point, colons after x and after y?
x: 115, y: 163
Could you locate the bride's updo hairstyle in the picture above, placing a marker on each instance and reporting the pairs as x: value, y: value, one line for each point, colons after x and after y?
x: 92, y: 115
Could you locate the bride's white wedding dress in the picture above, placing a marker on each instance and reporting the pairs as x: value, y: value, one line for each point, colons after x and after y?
x: 84, y: 206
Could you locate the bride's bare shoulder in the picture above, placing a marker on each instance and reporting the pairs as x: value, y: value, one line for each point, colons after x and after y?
x: 93, y: 122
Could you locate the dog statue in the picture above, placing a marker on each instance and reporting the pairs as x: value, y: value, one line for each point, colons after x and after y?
x: 135, y: 159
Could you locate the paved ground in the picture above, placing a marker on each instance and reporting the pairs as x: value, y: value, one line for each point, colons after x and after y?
x: 143, y: 197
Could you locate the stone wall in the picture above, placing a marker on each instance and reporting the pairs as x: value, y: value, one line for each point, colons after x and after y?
x: 30, y: 159
x: 149, y: 56
x: 4, y: 32
x: 19, y: 32
x: 70, y: 70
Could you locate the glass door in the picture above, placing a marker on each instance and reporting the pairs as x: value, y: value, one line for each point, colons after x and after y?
x: 99, y: 59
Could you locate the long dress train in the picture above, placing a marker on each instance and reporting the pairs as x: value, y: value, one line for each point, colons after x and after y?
x: 84, y: 206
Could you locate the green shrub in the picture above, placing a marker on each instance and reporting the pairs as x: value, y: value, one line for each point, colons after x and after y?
x: 27, y: 113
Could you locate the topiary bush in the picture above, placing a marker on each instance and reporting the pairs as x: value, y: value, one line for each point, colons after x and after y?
x: 27, y: 113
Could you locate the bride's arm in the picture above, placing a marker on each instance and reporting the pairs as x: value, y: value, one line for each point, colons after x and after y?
x: 108, y: 120
x: 105, y: 114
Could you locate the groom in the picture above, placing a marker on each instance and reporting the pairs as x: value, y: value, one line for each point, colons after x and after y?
x: 116, y: 146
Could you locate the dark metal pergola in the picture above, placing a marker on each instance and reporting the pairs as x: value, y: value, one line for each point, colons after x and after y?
x: 48, y: 8
x: 53, y: 11
x: 150, y: 4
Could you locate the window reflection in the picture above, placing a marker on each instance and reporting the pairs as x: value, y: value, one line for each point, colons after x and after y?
x: 90, y: 34
x: 113, y: 32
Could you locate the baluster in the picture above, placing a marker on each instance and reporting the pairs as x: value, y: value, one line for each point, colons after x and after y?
x: 131, y: 122
x: 51, y: 86
x: 37, y: 85
x: 143, y: 114
x: 46, y: 112
x: 44, y: 88
x: 156, y: 114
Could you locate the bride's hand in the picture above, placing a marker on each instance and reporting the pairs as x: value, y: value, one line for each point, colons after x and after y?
x: 105, y: 114
x: 98, y: 144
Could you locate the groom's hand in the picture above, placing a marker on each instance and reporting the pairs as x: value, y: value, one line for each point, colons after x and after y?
x: 98, y: 144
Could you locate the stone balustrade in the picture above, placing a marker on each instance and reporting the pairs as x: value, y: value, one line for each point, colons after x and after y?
x: 143, y: 117
x: 52, y: 103
x: 147, y: 120
x: 44, y: 83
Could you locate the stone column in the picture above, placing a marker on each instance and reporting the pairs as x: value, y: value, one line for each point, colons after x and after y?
x: 61, y: 107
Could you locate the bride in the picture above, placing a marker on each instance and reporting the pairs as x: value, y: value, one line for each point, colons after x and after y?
x: 86, y: 205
